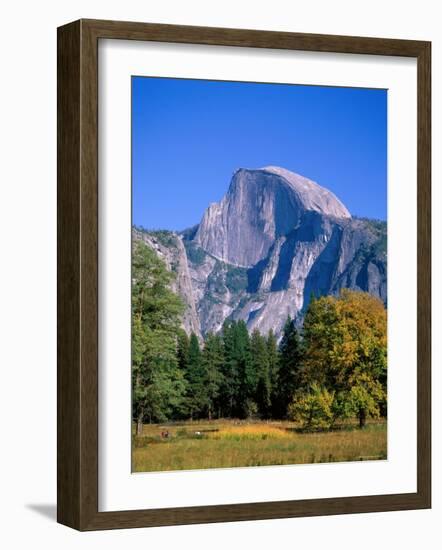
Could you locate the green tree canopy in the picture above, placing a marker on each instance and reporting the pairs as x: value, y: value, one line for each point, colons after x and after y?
x: 182, y: 349
x: 196, y: 389
x: 345, y: 341
x: 260, y: 365
x: 290, y: 363
x: 158, y: 384
x: 212, y: 361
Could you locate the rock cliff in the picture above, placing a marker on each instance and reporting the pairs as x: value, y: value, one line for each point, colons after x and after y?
x: 260, y: 207
x: 169, y: 247
x: 275, y: 239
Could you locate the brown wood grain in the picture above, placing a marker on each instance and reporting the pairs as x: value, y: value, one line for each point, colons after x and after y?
x: 424, y: 274
x: 77, y: 226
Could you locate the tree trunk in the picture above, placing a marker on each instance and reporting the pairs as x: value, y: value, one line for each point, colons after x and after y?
x: 140, y: 423
x: 362, y: 418
x: 140, y: 408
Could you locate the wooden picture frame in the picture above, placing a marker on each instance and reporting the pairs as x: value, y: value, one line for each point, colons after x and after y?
x: 77, y: 462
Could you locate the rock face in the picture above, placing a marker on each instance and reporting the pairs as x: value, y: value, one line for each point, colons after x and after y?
x: 259, y: 207
x: 273, y: 240
x: 170, y: 249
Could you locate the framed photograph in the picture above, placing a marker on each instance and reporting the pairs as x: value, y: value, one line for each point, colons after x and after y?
x: 243, y: 274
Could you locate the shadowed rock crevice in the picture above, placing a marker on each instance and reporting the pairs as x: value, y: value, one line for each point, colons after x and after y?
x: 320, y: 277
x: 254, y: 275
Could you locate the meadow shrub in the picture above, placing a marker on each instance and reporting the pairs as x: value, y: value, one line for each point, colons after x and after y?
x: 313, y: 410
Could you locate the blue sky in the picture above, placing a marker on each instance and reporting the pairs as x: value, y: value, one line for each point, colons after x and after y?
x: 189, y: 136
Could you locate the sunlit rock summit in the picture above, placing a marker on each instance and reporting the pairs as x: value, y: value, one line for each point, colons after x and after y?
x: 260, y: 207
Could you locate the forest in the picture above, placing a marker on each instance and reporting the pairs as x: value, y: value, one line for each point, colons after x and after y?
x: 318, y: 375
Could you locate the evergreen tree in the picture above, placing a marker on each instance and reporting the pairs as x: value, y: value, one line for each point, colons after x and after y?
x: 230, y: 381
x: 247, y: 377
x: 273, y: 359
x: 290, y: 364
x: 196, y: 391
x: 239, y: 379
x: 212, y: 361
x: 261, y: 367
x: 182, y: 350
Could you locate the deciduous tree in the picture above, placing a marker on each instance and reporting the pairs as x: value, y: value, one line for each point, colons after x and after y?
x: 346, y: 351
x: 158, y: 384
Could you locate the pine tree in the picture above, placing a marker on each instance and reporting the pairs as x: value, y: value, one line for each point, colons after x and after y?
x: 289, y: 375
x: 247, y: 377
x: 196, y: 391
x: 230, y: 383
x: 182, y: 350
x: 273, y: 359
x: 212, y: 361
x: 261, y: 366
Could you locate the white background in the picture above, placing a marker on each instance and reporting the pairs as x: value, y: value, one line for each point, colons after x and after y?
x: 118, y: 488
x: 27, y: 300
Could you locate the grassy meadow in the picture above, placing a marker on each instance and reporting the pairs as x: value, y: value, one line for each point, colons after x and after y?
x: 229, y: 444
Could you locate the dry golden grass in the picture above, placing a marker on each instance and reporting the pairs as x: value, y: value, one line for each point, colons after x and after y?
x: 235, y: 444
x: 248, y: 432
